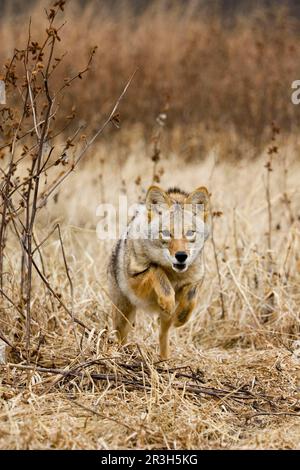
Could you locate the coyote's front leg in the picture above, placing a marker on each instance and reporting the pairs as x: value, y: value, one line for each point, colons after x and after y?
x: 154, y: 282
x: 187, y: 298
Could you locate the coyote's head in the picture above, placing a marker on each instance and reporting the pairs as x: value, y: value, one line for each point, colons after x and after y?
x: 177, y: 226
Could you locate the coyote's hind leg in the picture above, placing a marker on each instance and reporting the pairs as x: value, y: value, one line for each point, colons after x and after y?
x: 124, y: 317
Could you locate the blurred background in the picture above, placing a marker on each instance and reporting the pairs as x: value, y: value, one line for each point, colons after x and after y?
x: 209, y: 104
x: 218, y: 67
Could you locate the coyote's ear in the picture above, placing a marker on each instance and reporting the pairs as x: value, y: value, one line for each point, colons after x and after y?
x: 157, y: 199
x: 199, y: 199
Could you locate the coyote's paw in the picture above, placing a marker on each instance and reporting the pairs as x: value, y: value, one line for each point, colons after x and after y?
x: 167, y: 303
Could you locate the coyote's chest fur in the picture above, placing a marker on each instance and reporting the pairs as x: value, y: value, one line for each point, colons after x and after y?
x: 158, y: 263
x: 130, y: 266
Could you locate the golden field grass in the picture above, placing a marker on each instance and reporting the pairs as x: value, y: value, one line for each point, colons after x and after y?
x: 231, y: 383
x: 233, y: 379
x: 223, y: 72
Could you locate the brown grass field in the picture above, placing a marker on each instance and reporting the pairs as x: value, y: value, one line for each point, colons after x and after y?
x: 233, y: 380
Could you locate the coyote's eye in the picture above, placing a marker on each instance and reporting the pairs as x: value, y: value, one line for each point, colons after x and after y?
x: 190, y: 235
x: 165, y: 235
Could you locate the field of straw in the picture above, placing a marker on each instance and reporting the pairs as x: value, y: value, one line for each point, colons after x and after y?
x: 233, y: 379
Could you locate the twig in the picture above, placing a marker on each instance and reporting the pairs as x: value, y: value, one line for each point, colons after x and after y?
x: 217, y: 264
x: 103, y: 416
x: 6, y: 340
x: 274, y: 413
x: 46, y: 195
x: 139, y: 384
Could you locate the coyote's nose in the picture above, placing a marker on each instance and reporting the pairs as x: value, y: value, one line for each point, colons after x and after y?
x: 181, y: 256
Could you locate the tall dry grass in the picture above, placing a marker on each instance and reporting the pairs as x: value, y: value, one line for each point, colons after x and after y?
x: 190, y: 61
x: 232, y: 381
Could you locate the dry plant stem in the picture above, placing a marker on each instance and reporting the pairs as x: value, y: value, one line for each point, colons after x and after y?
x: 12, y: 303
x: 282, y: 413
x: 269, y: 204
x: 39, y: 253
x: 102, y: 189
x: 156, y: 155
x: 217, y: 264
x: 101, y: 415
x: 32, y: 184
x: 87, y: 146
x: 5, y: 192
x: 76, y: 320
x: 236, y: 238
x: 108, y: 296
x: 285, y: 269
x: 70, y: 283
x: 137, y: 381
x: 43, y: 277
x: 31, y: 215
x: 3, y: 337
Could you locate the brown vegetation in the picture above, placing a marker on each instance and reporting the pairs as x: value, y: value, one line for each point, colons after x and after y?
x: 234, y: 76
x: 233, y: 380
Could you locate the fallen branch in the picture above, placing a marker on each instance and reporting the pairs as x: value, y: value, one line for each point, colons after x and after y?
x: 138, y: 383
x: 275, y: 413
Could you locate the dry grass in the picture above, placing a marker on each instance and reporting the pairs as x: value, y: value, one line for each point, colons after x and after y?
x: 231, y: 383
x: 190, y: 60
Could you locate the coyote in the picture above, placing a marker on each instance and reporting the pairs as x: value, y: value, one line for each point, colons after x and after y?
x: 157, y: 264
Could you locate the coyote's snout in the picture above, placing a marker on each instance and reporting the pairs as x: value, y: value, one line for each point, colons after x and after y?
x: 157, y: 264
